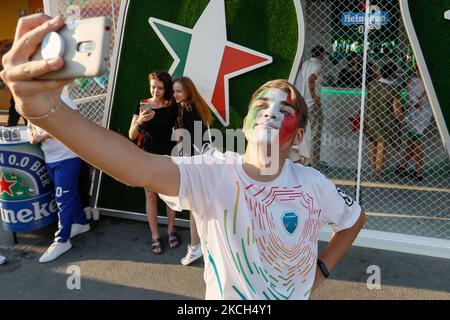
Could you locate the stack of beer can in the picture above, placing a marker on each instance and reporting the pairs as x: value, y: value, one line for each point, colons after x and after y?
x: 11, y: 134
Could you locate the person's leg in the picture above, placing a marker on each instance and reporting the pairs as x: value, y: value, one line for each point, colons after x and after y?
x: 69, y: 204
x: 373, y: 154
x: 174, y: 238
x: 316, y: 118
x: 84, y: 184
x: 195, y: 239
x: 65, y: 178
x: 379, y: 165
x: 152, y: 217
x: 194, y: 250
x: 408, y: 155
x: 418, y: 159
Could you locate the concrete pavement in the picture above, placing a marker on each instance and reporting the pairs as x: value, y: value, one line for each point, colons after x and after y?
x: 116, y: 263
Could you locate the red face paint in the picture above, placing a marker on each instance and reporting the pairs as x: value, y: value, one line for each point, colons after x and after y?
x: 288, y: 128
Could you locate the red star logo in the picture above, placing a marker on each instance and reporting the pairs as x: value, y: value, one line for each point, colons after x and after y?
x: 5, y: 185
x: 355, y: 121
x: 234, y: 60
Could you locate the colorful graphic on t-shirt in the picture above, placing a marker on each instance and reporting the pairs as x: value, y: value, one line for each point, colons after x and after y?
x: 281, y: 262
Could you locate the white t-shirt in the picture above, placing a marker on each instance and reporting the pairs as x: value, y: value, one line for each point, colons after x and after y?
x: 259, y: 240
x: 418, y: 118
x: 55, y: 151
x: 310, y: 67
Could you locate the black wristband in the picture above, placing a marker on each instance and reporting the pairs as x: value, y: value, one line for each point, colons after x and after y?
x: 323, y: 268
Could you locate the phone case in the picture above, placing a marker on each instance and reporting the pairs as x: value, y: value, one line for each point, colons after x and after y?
x: 86, y: 51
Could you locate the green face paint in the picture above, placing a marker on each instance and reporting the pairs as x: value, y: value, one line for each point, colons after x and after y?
x: 253, y: 112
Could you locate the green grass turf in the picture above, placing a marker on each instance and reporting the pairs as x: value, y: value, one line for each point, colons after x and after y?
x: 433, y: 32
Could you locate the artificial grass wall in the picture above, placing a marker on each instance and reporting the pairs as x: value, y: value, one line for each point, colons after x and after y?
x: 268, y: 26
x: 433, y: 33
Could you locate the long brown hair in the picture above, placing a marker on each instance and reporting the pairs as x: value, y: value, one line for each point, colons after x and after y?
x: 298, y: 101
x: 194, y: 97
x: 166, y: 79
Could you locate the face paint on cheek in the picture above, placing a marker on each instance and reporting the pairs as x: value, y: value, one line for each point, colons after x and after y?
x: 251, y: 119
x: 288, y: 128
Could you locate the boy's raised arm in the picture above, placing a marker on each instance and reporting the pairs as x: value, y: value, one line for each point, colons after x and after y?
x: 39, y: 101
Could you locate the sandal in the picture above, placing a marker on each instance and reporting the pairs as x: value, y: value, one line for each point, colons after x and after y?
x: 156, y: 246
x: 174, y: 240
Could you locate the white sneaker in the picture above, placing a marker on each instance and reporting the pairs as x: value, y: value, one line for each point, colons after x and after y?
x: 79, y: 229
x: 88, y: 212
x: 193, y: 253
x: 55, y: 250
x: 2, y: 260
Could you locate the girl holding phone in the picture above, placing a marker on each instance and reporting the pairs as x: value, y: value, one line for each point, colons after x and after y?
x: 152, y: 124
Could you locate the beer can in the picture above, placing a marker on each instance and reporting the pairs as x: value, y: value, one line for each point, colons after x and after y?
x: 15, y: 134
x: 6, y: 133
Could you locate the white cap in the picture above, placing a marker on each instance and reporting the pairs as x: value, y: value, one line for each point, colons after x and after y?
x: 2, y: 259
x: 52, y: 46
x: 447, y: 14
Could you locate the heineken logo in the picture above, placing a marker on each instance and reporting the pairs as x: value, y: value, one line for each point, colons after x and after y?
x: 206, y: 56
x: 26, y: 192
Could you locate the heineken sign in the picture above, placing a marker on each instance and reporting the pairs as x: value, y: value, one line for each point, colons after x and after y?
x: 376, y: 18
x: 27, y: 199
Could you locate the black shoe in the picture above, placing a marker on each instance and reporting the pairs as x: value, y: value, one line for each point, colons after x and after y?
x: 401, y: 171
x: 418, y: 176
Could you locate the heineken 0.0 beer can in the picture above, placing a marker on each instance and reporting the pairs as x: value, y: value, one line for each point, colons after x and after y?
x: 27, y: 200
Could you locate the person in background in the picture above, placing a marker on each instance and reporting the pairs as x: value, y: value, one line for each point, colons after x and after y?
x: 351, y: 75
x: 310, y: 78
x: 63, y: 167
x: 191, y: 108
x: 383, y: 117
x: 418, y: 118
x: 152, y: 125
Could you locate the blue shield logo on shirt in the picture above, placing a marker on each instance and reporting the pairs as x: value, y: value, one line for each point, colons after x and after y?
x: 290, y: 221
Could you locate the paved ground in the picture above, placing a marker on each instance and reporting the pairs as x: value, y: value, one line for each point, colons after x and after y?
x: 116, y: 263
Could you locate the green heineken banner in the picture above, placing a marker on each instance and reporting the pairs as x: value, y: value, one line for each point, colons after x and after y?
x: 428, y: 26
x: 227, y: 47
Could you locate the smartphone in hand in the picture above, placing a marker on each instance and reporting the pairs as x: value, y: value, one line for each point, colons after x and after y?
x: 147, y: 105
x: 84, y: 49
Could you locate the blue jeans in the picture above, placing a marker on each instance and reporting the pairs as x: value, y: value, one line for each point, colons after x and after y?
x: 64, y: 175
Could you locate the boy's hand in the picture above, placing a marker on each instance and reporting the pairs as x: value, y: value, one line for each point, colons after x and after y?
x: 33, y: 97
